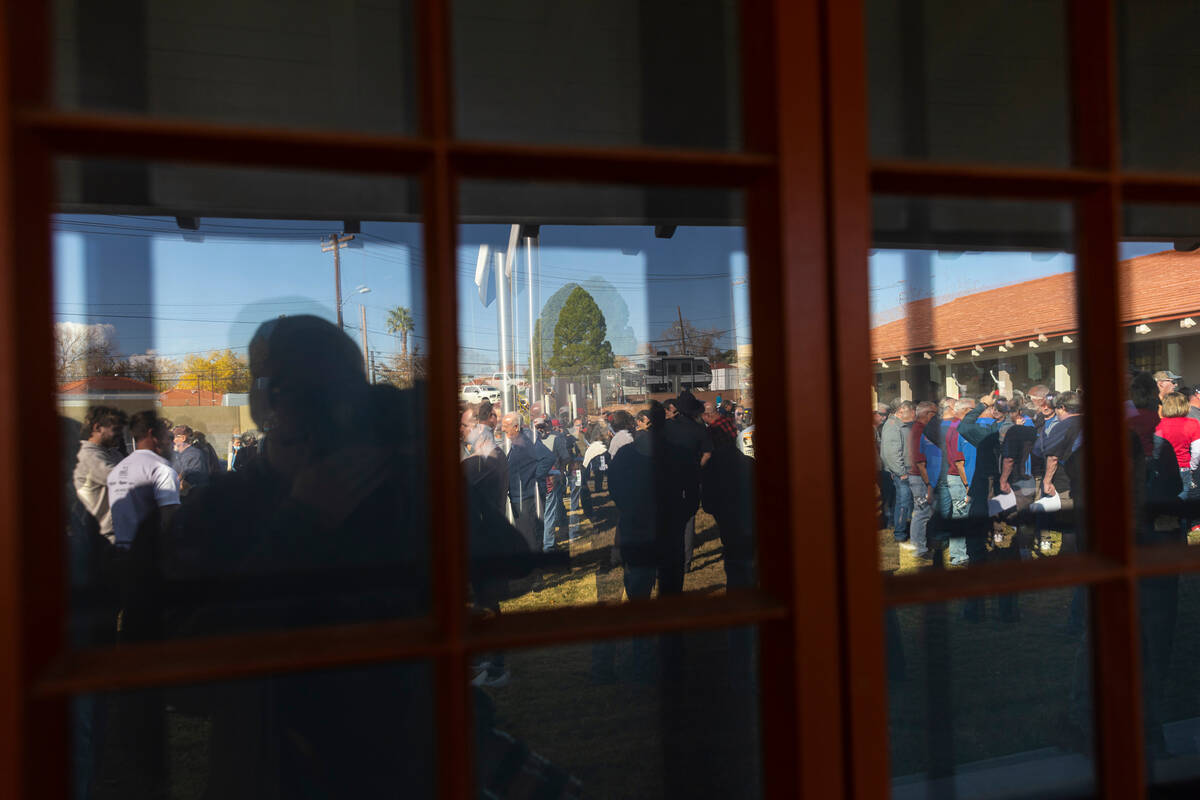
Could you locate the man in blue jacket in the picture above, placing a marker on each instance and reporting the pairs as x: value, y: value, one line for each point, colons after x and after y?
x: 527, y: 465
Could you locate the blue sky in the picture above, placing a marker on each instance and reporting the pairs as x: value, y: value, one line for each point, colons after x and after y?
x: 176, y: 295
x: 898, y: 276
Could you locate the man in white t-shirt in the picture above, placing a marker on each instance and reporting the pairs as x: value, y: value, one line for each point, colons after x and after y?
x: 143, y: 481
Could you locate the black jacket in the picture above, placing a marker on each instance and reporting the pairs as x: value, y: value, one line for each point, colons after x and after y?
x: 655, y: 495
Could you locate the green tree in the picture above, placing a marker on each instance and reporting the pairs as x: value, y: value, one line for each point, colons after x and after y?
x: 580, y: 343
x: 400, y: 321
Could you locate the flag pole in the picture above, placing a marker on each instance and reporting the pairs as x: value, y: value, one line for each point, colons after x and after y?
x: 533, y: 366
x: 502, y: 309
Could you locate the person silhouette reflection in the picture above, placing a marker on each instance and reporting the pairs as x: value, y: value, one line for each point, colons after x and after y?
x: 326, y: 526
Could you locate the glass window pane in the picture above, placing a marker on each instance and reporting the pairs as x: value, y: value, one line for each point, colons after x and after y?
x: 312, y: 63
x: 630, y: 299
x: 975, y: 345
x: 1170, y: 613
x: 602, y: 72
x: 1160, y: 301
x: 1159, y: 72
x: 364, y: 732
x: 669, y: 716
x: 981, y: 81
x: 287, y: 487
x: 980, y: 710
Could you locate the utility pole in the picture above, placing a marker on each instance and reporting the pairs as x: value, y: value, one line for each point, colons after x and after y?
x: 682, y: 337
x: 335, y: 245
x: 366, y: 357
x: 533, y: 346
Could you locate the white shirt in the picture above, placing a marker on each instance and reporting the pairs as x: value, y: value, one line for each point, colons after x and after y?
x: 597, y: 447
x: 142, y: 481
x: 619, y: 440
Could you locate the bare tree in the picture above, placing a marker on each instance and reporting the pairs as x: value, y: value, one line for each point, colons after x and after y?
x: 690, y: 340
x: 81, y: 350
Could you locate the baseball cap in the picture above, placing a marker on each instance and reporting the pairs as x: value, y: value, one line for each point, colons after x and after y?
x: 1166, y: 375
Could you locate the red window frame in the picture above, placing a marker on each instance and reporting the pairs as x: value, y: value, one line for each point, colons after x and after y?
x: 808, y: 181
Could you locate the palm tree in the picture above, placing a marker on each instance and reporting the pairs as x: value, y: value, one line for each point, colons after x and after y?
x: 400, y: 321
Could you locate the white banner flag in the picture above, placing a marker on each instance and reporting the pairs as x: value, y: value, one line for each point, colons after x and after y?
x: 483, y: 277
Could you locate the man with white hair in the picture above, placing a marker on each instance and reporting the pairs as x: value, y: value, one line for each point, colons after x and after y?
x: 1166, y: 380
x: 527, y: 464
x: 484, y: 463
x: 485, y: 468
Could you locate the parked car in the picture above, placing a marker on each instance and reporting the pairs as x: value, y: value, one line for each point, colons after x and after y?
x: 474, y: 394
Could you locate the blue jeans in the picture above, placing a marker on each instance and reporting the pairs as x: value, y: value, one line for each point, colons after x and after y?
x: 922, y: 513
x: 553, y: 513
x: 958, y: 544
x: 902, y: 512
x: 928, y: 523
x: 578, y: 505
x: 597, y: 473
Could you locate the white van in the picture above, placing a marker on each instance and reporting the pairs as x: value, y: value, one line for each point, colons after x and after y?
x: 474, y: 394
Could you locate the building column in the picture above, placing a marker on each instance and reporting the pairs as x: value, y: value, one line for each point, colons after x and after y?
x: 905, y: 390
x: 1062, y: 372
x: 1005, y: 384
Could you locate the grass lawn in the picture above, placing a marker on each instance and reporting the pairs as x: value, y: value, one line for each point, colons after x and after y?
x: 592, y: 578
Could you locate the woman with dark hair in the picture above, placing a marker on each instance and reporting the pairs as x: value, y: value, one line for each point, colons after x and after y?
x: 631, y: 483
x: 623, y: 427
x: 652, y: 505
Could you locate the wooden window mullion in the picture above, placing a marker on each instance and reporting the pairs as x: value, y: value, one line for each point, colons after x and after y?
x: 848, y: 210
x: 1116, y: 650
x: 452, y: 714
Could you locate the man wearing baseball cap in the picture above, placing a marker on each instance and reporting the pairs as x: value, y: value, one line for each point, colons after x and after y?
x: 190, y: 462
x: 1192, y: 393
x: 1165, y: 379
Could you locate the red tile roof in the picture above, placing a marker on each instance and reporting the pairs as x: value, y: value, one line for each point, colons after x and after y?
x: 1156, y: 287
x: 107, y: 384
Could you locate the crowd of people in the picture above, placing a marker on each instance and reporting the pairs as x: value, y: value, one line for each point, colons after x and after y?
x: 954, y: 474
x: 323, y: 520
x: 659, y: 465
x: 975, y: 479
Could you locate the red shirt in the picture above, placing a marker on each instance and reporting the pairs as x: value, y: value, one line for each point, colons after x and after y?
x: 1180, y: 432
